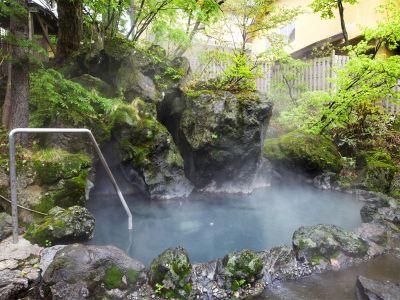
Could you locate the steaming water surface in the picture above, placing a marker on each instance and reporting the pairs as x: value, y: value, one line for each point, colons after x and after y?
x: 209, y: 226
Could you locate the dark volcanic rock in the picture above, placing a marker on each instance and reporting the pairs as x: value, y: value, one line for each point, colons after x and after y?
x: 91, y: 272
x: 220, y: 136
x: 74, y: 224
x: 368, y: 289
x: 324, y: 242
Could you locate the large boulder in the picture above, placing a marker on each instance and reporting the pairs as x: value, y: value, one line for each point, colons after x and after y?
x: 91, y: 272
x: 61, y: 226
x: 220, y: 136
x: 5, y: 225
x: 368, y: 289
x: 323, y: 242
x: 169, y: 273
x: 147, y: 147
x: 302, y: 151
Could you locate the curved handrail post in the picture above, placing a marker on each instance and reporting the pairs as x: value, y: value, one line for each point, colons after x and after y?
x: 13, y: 176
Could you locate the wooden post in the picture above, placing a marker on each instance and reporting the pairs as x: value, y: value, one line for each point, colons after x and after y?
x: 31, y: 28
x: 45, y: 33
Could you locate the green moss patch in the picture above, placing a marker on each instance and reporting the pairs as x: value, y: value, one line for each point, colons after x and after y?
x: 54, y: 164
x: 303, y: 151
x: 113, y: 278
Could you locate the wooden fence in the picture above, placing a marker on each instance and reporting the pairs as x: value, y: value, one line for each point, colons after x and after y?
x: 315, y: 76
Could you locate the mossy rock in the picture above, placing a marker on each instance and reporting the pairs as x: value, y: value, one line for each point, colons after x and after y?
x: 303, y: 151
x: 147, y: 146
x: 244, y: 266
x: 323, y: 242
x: 75, y: 224
x: 98, y: 270
x: 95, y: 84
x: 54, y: 164
x: 377, y: 170
x: 169, y: 273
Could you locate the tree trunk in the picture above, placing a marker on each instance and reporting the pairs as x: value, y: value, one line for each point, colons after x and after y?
x: 5, y: 118
x: 20, y: 71
x: 70, y: 28
x: 342, y: 23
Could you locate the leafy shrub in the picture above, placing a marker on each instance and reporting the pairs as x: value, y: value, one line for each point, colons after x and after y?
x: 56, y: 101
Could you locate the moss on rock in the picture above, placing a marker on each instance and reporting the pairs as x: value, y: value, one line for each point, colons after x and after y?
x: 303, y: 151
x: 54, y: 164
x: 62, y: 226
x: 149, y: 148
x: 95, y: 84
x: 244, y: 266
x: 169, y: 273
x: 313, y: 243
x: 113, y: 278
x: 377, y: 170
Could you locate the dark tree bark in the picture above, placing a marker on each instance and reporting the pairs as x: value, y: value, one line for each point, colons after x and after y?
x: 20, y: 70
x: 342, y: 22
x: 70, y: 28
x: 5, y: 119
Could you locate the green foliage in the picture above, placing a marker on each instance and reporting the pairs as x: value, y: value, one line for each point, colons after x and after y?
x: 352, y: 113
x: 56, y: 101
x: 289, y: 70
x: 13, y: 10
x: 239, y: 67
x: 306, y: 112
x: 384, y: 34
x: 176, y: 28
x: 327, y: 7
x: 238, y: 71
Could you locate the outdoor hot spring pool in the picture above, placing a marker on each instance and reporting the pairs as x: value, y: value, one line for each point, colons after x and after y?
x: 209, y: 226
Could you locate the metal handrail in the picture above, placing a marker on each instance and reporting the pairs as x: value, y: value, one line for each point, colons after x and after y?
x: 13, y: 176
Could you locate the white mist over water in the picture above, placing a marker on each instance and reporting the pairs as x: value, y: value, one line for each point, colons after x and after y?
x: 209, y: 226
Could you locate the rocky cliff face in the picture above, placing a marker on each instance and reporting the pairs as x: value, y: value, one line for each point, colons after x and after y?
x: 220, y: 137
x: 212, y: 138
